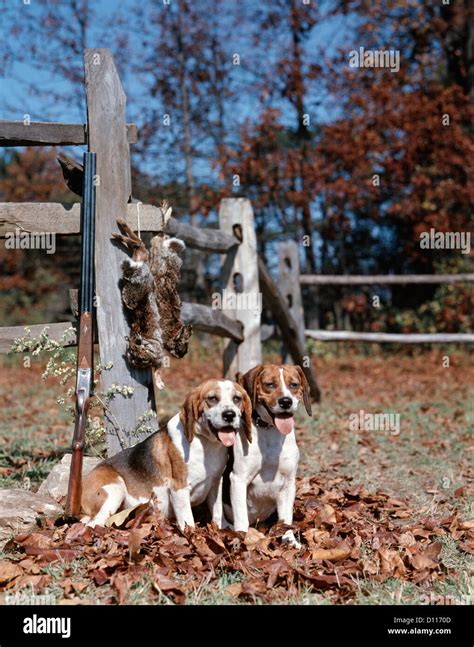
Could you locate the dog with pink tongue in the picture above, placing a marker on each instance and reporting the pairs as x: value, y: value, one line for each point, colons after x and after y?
x: 262, y: 476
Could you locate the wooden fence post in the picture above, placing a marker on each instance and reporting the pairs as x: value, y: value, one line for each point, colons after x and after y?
x: 289, y: 284
x: 241, y: 286
x: 107, y: 134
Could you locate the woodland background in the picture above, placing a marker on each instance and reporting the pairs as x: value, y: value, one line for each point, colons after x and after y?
x: 263, y: 91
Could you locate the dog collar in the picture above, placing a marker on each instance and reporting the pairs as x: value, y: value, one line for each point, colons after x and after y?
x: 259, y: 422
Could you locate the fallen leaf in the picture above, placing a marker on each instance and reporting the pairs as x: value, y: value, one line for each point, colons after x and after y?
x: 277, y: 567
x: 47, y: 555
x: 120, y: 518
x: 168, y: 586
x: 9, y: 571
x: 121, y: 583
x: 253, y: 588
x: 253, y: 537
x: 234, y: 589
x: 35, y: 539
x: 316, y: 538
x: 406, y: 539
x: 341, y: 551
x: 328, y: 514
x: 135, y: 539
x: 79, y: 533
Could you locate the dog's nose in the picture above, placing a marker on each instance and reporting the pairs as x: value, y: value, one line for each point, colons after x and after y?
x: 285, y: 403
x: 228, y: 415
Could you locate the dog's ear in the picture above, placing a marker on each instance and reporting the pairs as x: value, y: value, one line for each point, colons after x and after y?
x: 249, y: 382
x: 306, y: 391
x: 246, y: 413
x: 189, y: 413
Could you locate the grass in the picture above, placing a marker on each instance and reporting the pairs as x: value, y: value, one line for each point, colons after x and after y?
x: 426, y: 464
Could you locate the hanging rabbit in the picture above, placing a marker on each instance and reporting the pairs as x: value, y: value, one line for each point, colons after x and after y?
x: 149, y: 292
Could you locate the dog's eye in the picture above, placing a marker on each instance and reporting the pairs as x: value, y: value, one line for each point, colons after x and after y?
x: 212, y: 398
x: 237, y: 399
x: 294, y: 385
x: 269, y: 385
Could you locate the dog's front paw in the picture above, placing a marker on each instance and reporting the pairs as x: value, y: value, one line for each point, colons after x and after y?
x: 289, y: 538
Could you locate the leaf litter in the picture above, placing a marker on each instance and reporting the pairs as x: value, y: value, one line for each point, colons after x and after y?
x: 348, y: 535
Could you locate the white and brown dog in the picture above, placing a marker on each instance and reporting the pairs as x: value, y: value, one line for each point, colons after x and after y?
x: 179, y: 466
x: 263, y: 475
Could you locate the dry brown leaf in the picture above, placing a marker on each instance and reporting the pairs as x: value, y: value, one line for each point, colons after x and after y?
x: 341, y: 551
x: 253, y: 537
x: 9, y: 571
x: 121, y: 583
x: 254, y: 588
x: 390, y: 562
x: 407, y: 539
x: 135, y: 539
x: 277, y: 567
x: 328, y: 514
x: 120, y: 518
x: 427, y: 559
x: 47, y: 555
x: 166, y: 585
x: 316, y: 538
x: 36, y: 582
x: 234, y: 589
x: 99, y: 576
x: 79, y: 533
x: 35, y: 539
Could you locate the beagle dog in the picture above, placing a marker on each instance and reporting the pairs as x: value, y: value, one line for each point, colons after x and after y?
x: 177, y: 467
x: 263, y: 474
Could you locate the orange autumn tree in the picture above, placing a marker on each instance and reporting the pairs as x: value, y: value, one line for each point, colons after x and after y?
x: 398, y: 160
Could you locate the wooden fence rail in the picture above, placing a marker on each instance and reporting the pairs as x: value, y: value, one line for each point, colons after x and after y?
x: 387, y: 279
x: 43, y: 133
x: 398, y: 338
x: 383, y: 279
x: 65, y: 219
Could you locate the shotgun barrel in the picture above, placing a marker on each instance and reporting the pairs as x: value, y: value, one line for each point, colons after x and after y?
x: 85, y: 345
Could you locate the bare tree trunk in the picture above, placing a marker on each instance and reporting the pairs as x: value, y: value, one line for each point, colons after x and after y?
x: 303, y: 136
x: 196, y: 259
x: 187, y: 147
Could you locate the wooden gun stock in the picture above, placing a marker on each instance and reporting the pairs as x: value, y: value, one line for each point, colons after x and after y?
x: 85, y: 354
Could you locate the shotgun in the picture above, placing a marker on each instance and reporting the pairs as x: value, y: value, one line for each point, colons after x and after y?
x: 85, y: 344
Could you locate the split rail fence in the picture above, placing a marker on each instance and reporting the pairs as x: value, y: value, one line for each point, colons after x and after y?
x: 108, y: 135
x: 291, y: 281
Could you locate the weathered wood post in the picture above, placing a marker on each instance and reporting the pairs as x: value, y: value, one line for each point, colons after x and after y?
x: 107, y: 136
x: 241, y: 286
x: 289, y: 284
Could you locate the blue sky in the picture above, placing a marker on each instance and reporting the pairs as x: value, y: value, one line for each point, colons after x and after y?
x: 19, y: 78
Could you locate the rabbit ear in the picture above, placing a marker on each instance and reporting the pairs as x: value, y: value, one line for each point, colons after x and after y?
x: 166, y: 212
x: 128, y: 232
x: 133, y: 243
